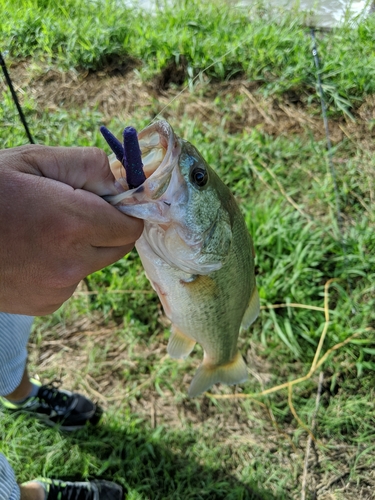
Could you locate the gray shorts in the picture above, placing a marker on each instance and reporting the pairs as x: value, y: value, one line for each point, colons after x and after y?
x: 14, y: 335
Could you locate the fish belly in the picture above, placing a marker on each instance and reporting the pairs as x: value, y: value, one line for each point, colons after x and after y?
x: 200, y: 307
x: 205, y: 309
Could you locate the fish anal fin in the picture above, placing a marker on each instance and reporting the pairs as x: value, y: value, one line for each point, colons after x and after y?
x: 252, y: 310
x: 207, y: 375
x: 179, y: 345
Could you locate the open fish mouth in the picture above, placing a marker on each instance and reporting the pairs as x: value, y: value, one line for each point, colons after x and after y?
x: 156, y: 144
x: 159, y: 149
x: 163, y: 201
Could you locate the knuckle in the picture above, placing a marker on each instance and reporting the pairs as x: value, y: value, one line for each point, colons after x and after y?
x: 62, y: 282
x: 96, y: 156
x: 28, y: 154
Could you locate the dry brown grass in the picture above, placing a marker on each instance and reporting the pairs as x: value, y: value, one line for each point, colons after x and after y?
x: 121, y: 95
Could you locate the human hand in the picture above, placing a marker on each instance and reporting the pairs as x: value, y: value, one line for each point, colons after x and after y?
x: 55, y: 228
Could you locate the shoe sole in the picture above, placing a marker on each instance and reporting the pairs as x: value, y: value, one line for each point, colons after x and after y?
x: 93, y: 420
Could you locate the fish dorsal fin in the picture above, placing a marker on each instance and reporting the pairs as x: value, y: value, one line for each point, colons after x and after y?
x: 232, y: 373
x: 252, y: 310
x: 179, y: 345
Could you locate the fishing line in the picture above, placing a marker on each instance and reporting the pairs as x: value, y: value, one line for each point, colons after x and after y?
x: 15, y: 99
x: 339, y: 217
x: 328, y: 139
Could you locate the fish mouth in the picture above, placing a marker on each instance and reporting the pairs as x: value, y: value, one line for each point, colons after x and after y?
x: 160, y: 150
x: 156, y: 144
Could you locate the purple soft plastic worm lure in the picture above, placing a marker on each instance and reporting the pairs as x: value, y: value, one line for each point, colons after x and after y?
x: 128, y: 154
x: 132, y: 158
x: 113, y: 143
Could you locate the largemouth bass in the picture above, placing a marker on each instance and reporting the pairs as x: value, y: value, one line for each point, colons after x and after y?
x: 196, y: 252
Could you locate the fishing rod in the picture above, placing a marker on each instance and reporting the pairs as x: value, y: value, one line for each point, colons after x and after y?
x: 15, y: 99
x: 326, y: 128
x: 339, y: 217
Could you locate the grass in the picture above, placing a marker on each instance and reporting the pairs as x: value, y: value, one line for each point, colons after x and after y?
x: 109, y: 340
x: 273, y: 51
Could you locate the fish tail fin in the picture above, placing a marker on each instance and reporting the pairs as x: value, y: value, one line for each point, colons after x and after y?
x: 232, y: 373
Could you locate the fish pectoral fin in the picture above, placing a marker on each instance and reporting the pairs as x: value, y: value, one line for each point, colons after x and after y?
x: 252, y: 310
x: 179, y: 345
x: 232, y: 373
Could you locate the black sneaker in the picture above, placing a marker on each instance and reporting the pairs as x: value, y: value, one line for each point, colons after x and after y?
x: 90, y: 490
x: 57, y: 407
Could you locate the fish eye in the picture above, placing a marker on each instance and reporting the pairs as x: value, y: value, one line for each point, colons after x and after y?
x: 199, y: 176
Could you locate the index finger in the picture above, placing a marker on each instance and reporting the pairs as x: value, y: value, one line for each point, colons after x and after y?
x: 80, y: 167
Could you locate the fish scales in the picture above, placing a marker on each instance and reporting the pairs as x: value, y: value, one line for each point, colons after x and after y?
x: 196, y: 252
x: 223, y: 290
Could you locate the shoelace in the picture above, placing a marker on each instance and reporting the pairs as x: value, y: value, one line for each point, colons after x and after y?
x: 68, y: 491
x: 50, y: 394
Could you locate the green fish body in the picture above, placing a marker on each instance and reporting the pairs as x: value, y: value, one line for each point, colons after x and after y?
x: 196, y: 252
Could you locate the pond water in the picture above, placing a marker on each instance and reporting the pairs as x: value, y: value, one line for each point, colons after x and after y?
x: 321, y: 13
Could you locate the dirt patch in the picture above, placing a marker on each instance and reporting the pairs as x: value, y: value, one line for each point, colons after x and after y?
x: 174, y: 73
x: 116, y: 93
